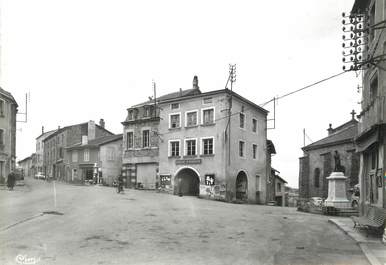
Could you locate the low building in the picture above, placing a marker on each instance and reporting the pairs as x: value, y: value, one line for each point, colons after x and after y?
x: 276, y: 187
x: 292, y: 196
x: 320, y: 159
x: 85, y: 163
x: 8, y: 110
x: 280, y: 191
x: 27, y: 166
x: 110, y: 159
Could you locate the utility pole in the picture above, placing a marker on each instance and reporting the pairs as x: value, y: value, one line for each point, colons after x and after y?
x: 232, y: 79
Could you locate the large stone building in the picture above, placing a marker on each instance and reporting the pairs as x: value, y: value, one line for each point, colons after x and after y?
x: 318, y: 161
x: 141, y: 140
x: 8, y: 110
x: 210, y: 144
x: 56, y: 158
x: 371, y: 140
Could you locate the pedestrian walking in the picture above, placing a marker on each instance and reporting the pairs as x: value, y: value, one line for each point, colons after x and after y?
x: 11, y: 179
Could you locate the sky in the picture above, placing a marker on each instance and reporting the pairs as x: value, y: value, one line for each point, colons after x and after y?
x: 82, y: 60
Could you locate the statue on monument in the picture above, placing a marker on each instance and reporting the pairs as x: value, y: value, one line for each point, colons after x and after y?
x: 338, y: 166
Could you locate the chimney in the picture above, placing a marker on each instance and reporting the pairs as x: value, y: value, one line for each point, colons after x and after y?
x: 42, y: 129
x: 330, y: 129
x: 91, y: 130
x: 102, y: 123
x: 58, y: 127
x: 195, y: 82
x: 180, y: 92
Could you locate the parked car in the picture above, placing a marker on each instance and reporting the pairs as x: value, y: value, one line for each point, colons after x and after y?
x: 19, y: 177
x: 316, y: 201
x: 39, y: 175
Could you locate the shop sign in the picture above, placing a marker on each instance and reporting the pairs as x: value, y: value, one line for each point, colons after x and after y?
x: 188, y: 161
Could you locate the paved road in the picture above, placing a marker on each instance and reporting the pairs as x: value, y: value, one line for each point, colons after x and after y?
x: 99, y: 226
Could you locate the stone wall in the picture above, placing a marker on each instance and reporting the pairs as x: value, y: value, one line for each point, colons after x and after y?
x: 304, y: 172
x: 323, y: 160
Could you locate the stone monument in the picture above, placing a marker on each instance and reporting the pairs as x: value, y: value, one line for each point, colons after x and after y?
x: 337, y: 191
x: 337, y: 186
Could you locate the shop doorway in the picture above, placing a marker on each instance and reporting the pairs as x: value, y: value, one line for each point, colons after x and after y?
x: 242, y: 186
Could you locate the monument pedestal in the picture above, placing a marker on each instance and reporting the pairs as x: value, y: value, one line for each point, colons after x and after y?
x: 337, y: 191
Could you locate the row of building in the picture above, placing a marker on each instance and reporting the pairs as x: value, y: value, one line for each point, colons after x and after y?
x: 212, y: 144
x: 361, y: 144
x: 8, y: 110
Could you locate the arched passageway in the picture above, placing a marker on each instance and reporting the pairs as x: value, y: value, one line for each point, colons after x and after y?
x: 242, y: 186
x: 187, y: 182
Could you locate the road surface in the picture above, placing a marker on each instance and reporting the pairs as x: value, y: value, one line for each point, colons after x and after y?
x: 57, y: 223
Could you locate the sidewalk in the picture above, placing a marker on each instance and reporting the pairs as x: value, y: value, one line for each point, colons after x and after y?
x: 372, y: 247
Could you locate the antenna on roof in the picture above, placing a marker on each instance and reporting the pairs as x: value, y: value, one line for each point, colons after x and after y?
x: 155, y: 98
x: 27, y: 99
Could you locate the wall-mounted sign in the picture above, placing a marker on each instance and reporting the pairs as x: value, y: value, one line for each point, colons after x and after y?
x: 165, y: 180
x: 209, y: 179
x: 188, y: 161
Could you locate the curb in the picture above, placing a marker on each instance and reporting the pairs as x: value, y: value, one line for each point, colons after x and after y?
x: 369, y: 255
x: 365, y: 249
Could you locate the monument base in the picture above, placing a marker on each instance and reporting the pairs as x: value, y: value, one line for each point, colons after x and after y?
x: 337, y: 191
x: 338, y: 203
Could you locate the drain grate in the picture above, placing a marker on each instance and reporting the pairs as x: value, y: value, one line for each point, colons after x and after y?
x: 53, y: 212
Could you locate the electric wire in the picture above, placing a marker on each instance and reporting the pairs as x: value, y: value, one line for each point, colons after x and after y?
x: 265, y: 103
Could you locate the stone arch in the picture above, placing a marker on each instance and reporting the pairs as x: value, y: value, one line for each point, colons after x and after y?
x: 242, y: 186
x: 187, y: 181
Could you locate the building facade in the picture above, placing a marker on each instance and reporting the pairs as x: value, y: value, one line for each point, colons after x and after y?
x: 211, y: 153
x: 276, y: 187
x: 209, y: 144
x: 110, y: 159
x: 8, y: 110
x: 141, y: 138
x: 89, y: 162
x: 56, y: 158
x: 371, y: 140
x: 26, y: 165
x: 39, y: 167
x: 318, y: 160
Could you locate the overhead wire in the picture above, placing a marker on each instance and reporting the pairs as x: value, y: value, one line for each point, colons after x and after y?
x: 273, y: 99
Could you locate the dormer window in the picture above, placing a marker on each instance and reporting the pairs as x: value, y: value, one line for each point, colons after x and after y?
x: 147, y: 112
x: 175, y: 105
x: 131, y: 115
